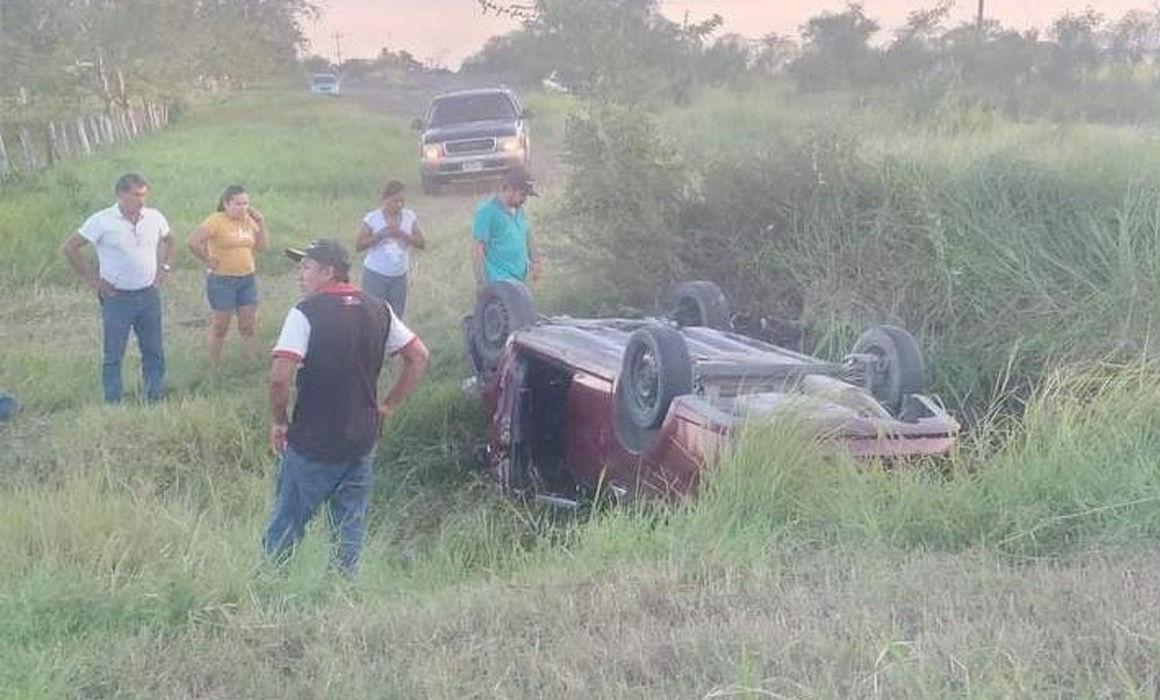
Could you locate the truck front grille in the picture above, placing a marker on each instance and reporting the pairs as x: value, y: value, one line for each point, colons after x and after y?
x: 470, y: 146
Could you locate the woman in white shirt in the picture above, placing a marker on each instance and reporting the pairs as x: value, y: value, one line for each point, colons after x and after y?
x: 388, y: 234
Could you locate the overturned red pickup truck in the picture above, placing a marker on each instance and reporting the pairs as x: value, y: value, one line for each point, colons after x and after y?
x: 639, y: 406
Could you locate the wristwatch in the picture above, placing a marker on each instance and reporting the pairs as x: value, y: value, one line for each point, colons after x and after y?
x: 166, y: 267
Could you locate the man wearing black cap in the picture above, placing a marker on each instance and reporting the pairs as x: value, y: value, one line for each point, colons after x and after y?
x: 504, y: 248
x: 334, y: 340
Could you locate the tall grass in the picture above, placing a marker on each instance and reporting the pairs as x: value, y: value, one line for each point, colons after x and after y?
x: 1005, y: 247
x: 1077, y: 472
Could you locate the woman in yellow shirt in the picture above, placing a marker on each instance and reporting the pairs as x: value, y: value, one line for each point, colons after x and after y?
x: 226, y: 242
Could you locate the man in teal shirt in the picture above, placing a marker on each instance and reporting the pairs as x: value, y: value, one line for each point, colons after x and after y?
x: 504, y: 248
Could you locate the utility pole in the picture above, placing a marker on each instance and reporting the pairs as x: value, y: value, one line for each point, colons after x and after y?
x: 337, y: 49
x: 979, y: 20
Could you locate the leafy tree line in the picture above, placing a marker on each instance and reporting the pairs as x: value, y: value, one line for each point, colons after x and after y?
x: 626, y: 48
x: 387, y: 62
x: 63, y: 55
x: 622, y: 50
x: 1082, y: 64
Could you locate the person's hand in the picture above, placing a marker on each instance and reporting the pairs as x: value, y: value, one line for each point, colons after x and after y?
x: 384, y: 412
x: 257, y: 216
x: 537, y: 270
x: 160, y: 278
x: 278, y: 437
x: 213, y: 264
x: 103, y: 289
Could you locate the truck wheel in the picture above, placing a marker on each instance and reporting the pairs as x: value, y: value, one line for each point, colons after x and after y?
x: 695, y: 304
x: 898, y: 370
x: 501, y: 309
x: 431, y: 185
x: 656, y: 369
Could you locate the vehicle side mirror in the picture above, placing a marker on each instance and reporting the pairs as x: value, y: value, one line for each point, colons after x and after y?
x: 417, y: 125
x: 527, y: 113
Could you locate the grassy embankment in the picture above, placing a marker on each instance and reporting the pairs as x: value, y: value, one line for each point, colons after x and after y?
x: 128, y: 567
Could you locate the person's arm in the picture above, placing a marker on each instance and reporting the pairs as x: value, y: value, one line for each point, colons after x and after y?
x: 478, y: 252
x: 199, y: 245
x: 366, y: 238
x: 415, y: 358
x: 261, y: 236
x: 289, y: 352
x: 416, y: 239
x: 282, y: 371
x: 534, y: 257
x: 164, y: 259
x: 72, y: 251
x: 480, y: 233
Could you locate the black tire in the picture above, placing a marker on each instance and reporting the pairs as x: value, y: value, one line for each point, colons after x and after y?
x: 431, y: 185
x: 501, y: 309
x: 695, y: 304
x: 900, y: 370
x: 656, y: 369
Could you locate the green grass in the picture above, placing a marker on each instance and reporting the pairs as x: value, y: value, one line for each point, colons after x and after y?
x: 1021, y: 566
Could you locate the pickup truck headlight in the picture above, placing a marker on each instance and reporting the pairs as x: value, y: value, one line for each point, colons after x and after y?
x: 510, y: 144
x: 432, y: 152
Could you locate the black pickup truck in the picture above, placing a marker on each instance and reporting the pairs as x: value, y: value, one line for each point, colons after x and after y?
x: 471, y: 134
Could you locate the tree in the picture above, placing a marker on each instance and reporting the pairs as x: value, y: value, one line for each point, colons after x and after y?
x: 915, y: 46
x: 1001, y: 59
x: 619, y: 50
x: 73, y: 52
x: 1134, y: 37
x: 1076, y: 50
x: 774, y: 54
x: 837, y: 51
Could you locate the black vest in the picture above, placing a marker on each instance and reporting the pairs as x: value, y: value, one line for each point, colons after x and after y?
x: 336, y: 411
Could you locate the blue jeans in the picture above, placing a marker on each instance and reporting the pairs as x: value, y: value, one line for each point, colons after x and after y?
x: 8, y: 407
x: 392, y: 290
x: 139, y: 311
x: 303, y: 484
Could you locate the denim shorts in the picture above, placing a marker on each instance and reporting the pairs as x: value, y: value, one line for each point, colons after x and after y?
x: 227, y: 292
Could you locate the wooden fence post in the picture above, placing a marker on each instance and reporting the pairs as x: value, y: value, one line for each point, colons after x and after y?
x: 63, y: 141
x: 94, y: 136
x: 50, y: 146
x: 26, y: 147
x: 82, y: 137
x: 5, y: 168
x: 76, y: 137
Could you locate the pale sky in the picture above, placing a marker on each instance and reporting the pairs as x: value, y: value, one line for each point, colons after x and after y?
x: 449, y: 30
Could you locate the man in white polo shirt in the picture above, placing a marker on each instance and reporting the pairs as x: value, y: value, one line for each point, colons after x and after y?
x: 134, y: 255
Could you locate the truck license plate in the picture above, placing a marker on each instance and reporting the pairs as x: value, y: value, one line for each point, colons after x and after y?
x: 472, y: 166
